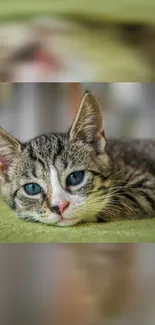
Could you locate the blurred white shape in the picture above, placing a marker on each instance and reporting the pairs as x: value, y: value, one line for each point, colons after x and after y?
x: 13, y: 36
x: 72, y: 71
x: 27, y: 72
x: 127, y: 94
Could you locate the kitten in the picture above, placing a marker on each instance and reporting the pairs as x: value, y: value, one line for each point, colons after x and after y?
x: 65, y: 179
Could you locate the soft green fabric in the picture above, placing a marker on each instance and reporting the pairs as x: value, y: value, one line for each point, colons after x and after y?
x: 111, y: 59
x: 100, y: 10
x: 14, y: 230
x: 108, y: 56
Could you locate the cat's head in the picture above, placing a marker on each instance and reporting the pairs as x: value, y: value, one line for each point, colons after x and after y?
x: 58, y: 178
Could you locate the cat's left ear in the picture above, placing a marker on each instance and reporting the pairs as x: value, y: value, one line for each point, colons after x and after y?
x: 9, y: 150
x: 88, y: 124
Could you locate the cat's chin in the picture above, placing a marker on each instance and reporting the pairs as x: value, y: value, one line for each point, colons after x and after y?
x: 61, y: 222
x: 68, y: 222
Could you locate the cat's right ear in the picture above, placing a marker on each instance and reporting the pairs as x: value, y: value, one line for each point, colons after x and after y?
x: 9, y: 150
x: 88, y: 124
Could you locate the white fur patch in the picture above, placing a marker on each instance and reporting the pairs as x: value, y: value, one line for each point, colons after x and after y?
x: 58, y: 193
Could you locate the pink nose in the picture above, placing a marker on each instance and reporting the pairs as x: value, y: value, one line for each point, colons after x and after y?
x: 63, y: 206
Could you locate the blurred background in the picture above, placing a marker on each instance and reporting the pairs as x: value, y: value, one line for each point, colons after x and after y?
x: 27, y: 110
x: 56, y: 40
x: 84, y: 284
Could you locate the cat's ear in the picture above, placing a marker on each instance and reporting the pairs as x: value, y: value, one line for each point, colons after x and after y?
x: 88, y: 124
x: 9, y: 150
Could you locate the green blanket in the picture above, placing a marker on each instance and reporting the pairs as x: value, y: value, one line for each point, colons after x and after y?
x: 103, y: 49
x: 139, y: 11
x: 14, y: 230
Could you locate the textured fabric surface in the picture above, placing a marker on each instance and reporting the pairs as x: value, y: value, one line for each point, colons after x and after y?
x: 118, y: 10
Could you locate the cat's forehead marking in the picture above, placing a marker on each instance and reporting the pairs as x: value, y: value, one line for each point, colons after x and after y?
x: 54, y: 178
x: 38, y: 169
x: 57, y: 191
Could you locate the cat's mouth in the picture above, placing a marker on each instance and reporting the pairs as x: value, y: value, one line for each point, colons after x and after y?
x: 62, y: 222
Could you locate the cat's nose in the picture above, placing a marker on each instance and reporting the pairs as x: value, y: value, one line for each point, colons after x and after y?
x: 63, y: 205
x: 60, y: 208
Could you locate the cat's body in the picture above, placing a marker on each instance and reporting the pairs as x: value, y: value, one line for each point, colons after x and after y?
x: 65, y: 179
x: 133, y: 168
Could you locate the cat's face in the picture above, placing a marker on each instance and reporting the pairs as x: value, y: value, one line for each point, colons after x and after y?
x: 57, y: 178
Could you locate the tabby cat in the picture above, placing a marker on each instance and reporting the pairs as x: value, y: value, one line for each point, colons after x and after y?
x: 65, y: 179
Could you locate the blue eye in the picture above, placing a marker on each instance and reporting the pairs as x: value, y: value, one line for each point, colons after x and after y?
x: 75, y: 178
x: 32, y: 189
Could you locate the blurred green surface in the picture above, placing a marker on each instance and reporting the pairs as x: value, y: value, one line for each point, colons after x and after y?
x: 99, y: 10
x: 113, y: 59
x: 14, y: 230
x: 104, y: 48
